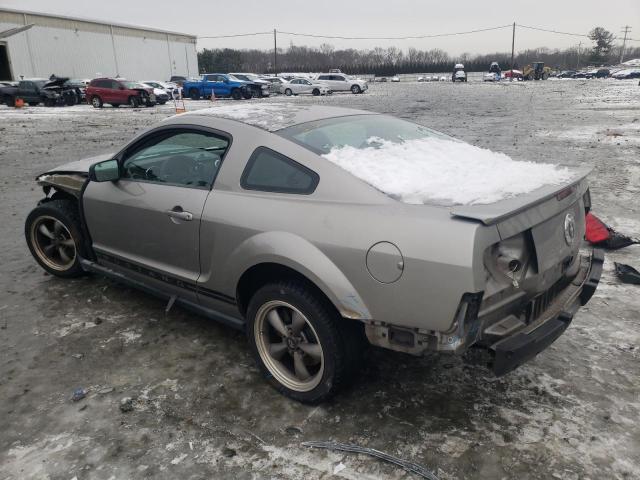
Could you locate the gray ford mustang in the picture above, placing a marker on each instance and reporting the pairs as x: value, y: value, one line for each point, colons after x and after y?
x: 237, y: 214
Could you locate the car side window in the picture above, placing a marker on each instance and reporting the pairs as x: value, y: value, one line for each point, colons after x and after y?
x: 269, y: 171
x: 183, y: 158
x: 324, y: 77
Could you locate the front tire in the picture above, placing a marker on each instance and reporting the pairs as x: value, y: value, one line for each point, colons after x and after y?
x: 355, y: 89
x: 96, y: 101
x: 316, y: 92
x: 288, y: 92
x: 236, y: 94
x: 53, y: 234
x: 303, y: 347
x: 134, y: 102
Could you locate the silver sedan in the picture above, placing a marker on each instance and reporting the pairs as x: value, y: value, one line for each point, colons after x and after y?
x: 240, y: 213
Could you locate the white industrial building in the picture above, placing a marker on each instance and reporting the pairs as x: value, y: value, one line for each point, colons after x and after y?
x: 79, y: 48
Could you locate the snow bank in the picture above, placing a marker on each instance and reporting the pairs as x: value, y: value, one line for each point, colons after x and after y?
x: 436, y: 170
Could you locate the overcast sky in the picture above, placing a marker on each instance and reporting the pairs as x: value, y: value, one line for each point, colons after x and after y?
x: 371, y: 18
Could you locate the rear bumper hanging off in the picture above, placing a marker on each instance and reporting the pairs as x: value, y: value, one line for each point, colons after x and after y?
x: 517, y: 349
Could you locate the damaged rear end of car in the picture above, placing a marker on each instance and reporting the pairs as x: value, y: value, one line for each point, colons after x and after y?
x: 530, y: 282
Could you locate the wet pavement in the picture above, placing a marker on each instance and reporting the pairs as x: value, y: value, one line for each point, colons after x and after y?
x: 199, y: 408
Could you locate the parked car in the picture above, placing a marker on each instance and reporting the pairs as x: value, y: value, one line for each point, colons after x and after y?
x: 423, y: 79
x: 515, y: 74
x: 627, y: 74
x: 178, y: 80
x: 490, y: 77
x: 80, y: 87
x: 600, y: 73
x: 118, y: 92
x: 162, y: 96
x: 339, y: 82
x: 582, y: 75
x: 9, y: 92
x: 259, y: 86
x: 395, y: 79
x: 308, y: 259
x: 35, y: 91
x: 458, y: 75
x: 220, y: 84
x: 566, y: 74
x: 298, y: 86
x: 172, y: 90
x: 275, y: 83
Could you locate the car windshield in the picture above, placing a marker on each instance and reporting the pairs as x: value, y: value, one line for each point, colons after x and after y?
x: 357, y: 131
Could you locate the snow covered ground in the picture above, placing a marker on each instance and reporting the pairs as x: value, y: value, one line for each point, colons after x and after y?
x: 199, y: 406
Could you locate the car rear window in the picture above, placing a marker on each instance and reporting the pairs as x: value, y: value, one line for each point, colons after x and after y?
x: 269, y: 171
x: 357, y: 131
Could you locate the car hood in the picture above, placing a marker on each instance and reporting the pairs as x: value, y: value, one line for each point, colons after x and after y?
x: 81, y: 166
x: 58, y: 82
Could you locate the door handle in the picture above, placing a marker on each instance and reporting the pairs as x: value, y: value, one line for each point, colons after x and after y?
x: 177, y: 212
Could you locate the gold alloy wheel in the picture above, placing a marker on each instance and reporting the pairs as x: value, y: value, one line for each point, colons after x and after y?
x: 53, y: 243
x: 289, y: 346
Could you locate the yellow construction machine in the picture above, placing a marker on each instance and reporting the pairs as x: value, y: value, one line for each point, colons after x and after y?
x: 536, y: 71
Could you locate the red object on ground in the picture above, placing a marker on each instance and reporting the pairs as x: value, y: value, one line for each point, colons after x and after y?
x: 596, y: 231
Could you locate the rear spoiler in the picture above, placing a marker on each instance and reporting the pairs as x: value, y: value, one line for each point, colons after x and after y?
x: 539, y: 205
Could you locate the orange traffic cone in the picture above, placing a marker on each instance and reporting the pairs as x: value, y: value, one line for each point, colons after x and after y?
x: 19, y: 103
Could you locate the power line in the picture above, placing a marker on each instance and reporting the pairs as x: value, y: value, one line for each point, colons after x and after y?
x: 411, y: 37
x: 569, y: 33
x: 408, y: 37
x: 239, y: 35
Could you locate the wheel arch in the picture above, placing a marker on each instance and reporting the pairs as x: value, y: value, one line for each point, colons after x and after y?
x: 273, y: 255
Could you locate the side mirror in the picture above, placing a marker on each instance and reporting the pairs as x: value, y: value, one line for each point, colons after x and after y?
x: 107, y: 171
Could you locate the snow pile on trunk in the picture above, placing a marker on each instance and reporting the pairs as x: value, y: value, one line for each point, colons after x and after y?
x: 443, y: 171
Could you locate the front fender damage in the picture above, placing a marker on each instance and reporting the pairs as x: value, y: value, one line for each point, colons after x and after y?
x: 68, y: 182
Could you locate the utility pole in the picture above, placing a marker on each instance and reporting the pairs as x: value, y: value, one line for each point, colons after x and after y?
x: 626, y: 30
x: 579, y: 51
x: 275, y: 52
x: 513, y: 46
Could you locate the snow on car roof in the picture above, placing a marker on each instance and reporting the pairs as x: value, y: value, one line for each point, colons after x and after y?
x: 275, y: 116
x: 444, y: 171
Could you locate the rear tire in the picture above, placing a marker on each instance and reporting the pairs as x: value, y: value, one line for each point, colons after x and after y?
x: 10, y: 101
x: 96, y: 101
x: 307, y: 352
x: 194, y: 94
x: 54, y: 237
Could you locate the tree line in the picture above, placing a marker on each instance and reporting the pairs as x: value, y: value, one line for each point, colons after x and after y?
x: 393, y: 60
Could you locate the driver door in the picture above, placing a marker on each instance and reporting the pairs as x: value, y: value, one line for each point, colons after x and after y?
x: 146, y: 224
